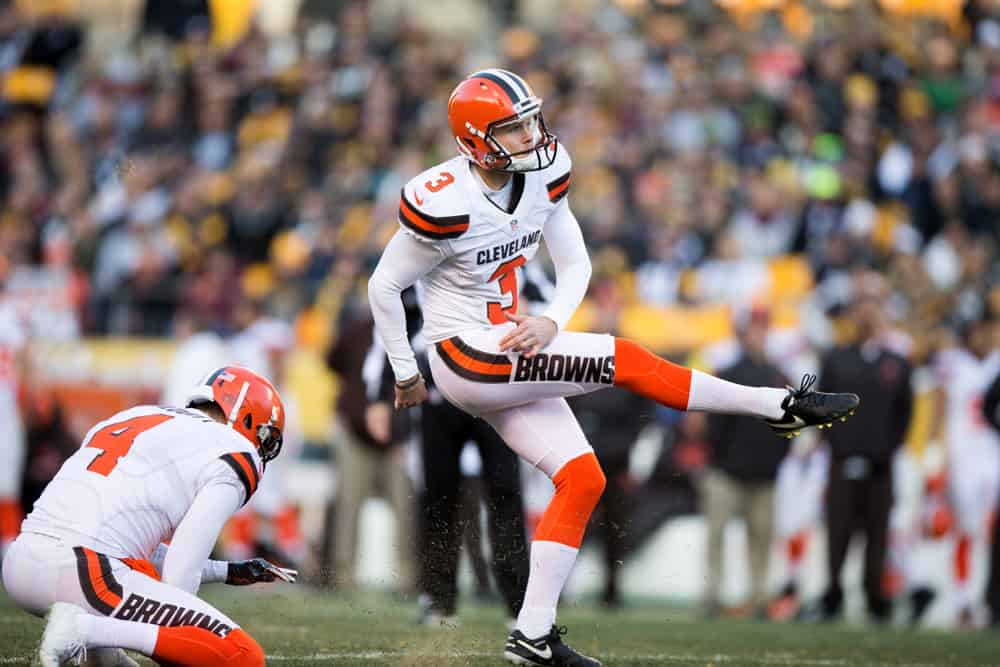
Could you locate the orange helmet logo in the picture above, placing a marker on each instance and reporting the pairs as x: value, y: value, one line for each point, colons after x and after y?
x: 491, y: 99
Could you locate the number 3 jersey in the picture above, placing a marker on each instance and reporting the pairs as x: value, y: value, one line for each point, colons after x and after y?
x: 136, y: 474
x: 468, y: 248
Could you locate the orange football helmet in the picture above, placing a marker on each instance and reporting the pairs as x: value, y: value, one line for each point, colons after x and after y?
x: 490, y: 99
x: 251, y: 404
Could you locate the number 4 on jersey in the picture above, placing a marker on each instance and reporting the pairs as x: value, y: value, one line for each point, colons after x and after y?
x: 115, y: 440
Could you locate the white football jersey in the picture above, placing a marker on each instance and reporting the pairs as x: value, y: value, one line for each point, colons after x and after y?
x: 135, y: 476
x: 966, y: 378
x: 12, y: 341
x: 481, y: 244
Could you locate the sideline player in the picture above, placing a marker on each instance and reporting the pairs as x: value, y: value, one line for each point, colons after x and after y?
x: 13, y: 373
x: 144, y: 476
x: 964, y: 374
x: 467, y: 225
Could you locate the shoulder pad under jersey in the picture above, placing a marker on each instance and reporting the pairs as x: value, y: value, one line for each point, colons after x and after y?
x: 433, y: 205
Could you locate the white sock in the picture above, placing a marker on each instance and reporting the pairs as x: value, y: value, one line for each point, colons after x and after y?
x: 112, y: 632
x: 711, y: 394
x: 551, y: 563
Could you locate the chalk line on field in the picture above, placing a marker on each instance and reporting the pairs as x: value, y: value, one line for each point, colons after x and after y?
x: 652, y: 657
x: 663, y: 658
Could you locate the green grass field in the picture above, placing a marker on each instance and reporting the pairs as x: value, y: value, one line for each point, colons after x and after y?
x: 300, y: 627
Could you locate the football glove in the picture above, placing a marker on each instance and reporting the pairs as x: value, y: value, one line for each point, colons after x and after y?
x: 256, y: 570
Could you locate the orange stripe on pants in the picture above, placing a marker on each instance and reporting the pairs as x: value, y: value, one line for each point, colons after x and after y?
x: 475, y: 365
x: 98, y: 582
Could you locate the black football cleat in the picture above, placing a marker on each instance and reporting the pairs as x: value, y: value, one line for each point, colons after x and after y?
x: 804, y: 408
x: 545, y: 650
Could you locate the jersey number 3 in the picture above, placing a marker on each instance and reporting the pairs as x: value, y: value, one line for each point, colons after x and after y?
x: 114, y: 441
x: 506, y: 273
x: 443, y: 180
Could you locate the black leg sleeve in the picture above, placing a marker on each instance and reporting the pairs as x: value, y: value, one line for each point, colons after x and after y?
x: 441, y: 444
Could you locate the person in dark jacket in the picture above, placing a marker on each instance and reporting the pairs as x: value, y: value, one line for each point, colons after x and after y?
x: 369, y: 455
x: 743, y: 465
x: 859, y: 492
x: 49, y: 443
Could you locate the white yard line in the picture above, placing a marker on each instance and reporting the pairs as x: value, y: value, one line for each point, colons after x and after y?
x: 655, y: 657
x: 661, y: 658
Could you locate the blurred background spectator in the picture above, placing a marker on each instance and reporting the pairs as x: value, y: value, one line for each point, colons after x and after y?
x: 370, y: 458
x: 991, y: 412
x: 744, y: 457
x: 860, y: 486
x: 612, y: 421
x: 172, y: 161
x: 965, y: 371
x: 49, y: 443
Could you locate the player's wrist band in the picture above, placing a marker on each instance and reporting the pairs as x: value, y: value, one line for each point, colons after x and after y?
x: 409, y: 382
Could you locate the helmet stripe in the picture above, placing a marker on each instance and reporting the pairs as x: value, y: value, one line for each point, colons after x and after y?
x: 518, y: 81
x: 500, y: 81
x: 235, y: 412
x: 211, y: 378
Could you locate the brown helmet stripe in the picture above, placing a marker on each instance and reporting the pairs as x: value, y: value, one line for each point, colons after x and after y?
x: 504, y: 86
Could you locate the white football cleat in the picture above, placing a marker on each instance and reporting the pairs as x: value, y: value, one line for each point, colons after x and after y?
x: 63, y: 641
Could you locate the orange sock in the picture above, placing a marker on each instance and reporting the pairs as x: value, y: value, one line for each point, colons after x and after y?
x: 797, y: 547
x: 186, y: 646
x: 963, y: 556
x: 579, y: 485
x: 10, y: 519
x: 642, y: 372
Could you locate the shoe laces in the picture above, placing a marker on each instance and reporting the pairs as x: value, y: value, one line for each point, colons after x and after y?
x: 78, y: 654
x: 804, y: 395
x: 557, y: 632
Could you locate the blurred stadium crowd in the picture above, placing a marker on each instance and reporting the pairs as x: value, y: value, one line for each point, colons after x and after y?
x: 827, y: 168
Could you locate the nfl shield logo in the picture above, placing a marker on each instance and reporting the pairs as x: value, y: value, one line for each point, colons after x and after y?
x: 513, y: 226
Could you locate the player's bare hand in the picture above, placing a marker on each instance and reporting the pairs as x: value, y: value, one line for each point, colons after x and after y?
x: 410, y: 392
x: 378, y: 421
x: 531, y: 335
x: 258, y: 570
